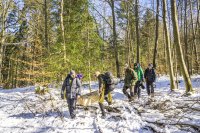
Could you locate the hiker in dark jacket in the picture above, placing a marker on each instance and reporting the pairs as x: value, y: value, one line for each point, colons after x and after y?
x: 139, y: 83
x: 129, y: 82
x: 150, y: 77
x: 72, y: 86
x: 105, y: 88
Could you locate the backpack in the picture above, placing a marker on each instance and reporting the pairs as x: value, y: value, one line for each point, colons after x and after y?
x: 134, y: 75
x: 109, y: 81
x: 108, y: 78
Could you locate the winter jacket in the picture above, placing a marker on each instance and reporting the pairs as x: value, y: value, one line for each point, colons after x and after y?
x: 72, y: 87
x: 130, y: 77
x: 103, y: 83
x: 140, y: 73
x: 150, y: 75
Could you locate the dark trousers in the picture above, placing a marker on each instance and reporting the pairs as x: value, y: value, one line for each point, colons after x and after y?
x: 150, y: 87
x: 137, y: 88
x: 72, y: 106
x: 125, y: 88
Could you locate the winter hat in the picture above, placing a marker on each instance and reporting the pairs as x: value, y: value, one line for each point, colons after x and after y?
x: 126, y: 66
x: 150, y: 65
x: 135, y: 64
x: 97, y: 73
x: 80, y: 76
x: 72, y: 72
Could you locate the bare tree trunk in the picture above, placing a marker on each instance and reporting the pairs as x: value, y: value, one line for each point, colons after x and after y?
x: 133, y: 38
x: 184, y: 70
x: 112, y: 4
x: 1, y: 53
x: 127, y: 53
x: 168, y: 47
x: 104, y: 34
x: 16, y: 73
x: 89, y: 62
x: 185, y: 36
x: 133, y: 42
x: 128, y: 33
x: 165, y: 49
x: 197, y: 29
x: 46, y: 25
x: 63, y: 30
x: 194, y: 39
x: 4, y: 14
x: 148, y: 46
x: 137, y: 30
x: 12, y: 82
x: 156, y: 35
x: 33, y: 61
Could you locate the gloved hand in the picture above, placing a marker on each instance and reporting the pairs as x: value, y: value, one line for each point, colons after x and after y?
x: 62, y: 96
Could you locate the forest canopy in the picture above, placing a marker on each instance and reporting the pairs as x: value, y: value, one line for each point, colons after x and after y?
x: 42, y: 40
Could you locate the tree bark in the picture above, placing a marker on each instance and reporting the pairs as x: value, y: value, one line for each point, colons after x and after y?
x: 104, y: 36
x: 137, y: 30
x: 112, y: 4
x: 5, y: 7
x: 184, y: 70
x: 63, y: 30
x: 1, y: 52
x: 46, y: 25
x: 194, y: 49
x: 168, y: 49
x: 197, y: 29
x: 185, y: 36
x: 128, y: 36
x: 88, y: 45
x: 148, y: 38
x: 156, y: 35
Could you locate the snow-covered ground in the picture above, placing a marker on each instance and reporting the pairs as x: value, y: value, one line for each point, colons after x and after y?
x: 21, y: 110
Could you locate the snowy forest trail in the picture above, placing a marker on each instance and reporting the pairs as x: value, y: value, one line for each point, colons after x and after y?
x: 21, y: 110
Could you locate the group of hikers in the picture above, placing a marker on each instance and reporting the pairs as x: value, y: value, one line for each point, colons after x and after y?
x: 133, y: 81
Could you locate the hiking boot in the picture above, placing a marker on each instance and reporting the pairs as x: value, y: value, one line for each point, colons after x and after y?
x: 131, y: 99
x: 109, y: 103
x: 73, y: 117
x: 135, y: 96
x: 152, y: 95
x: 103, y: 116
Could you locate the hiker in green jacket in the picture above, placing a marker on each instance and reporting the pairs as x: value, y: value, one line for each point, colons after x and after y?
x: 139, y: 83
